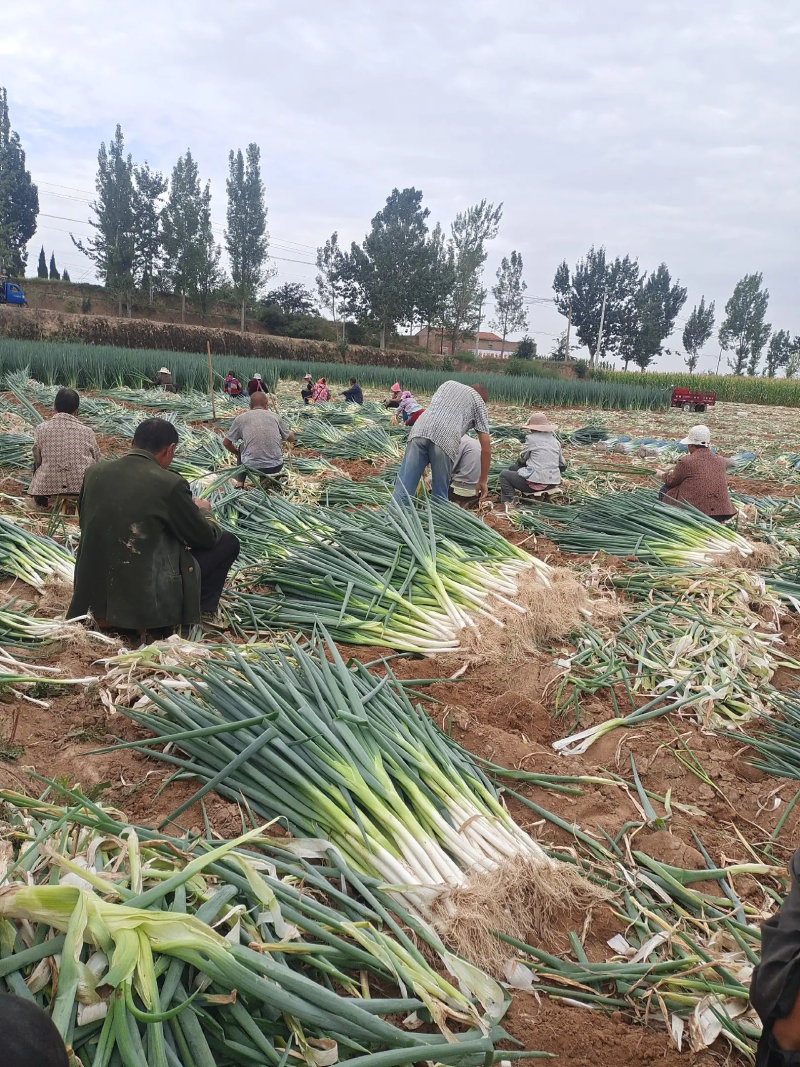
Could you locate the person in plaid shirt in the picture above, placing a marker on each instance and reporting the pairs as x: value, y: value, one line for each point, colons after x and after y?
x: 435, y: 439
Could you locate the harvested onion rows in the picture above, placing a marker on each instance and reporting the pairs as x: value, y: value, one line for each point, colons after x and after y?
x: 160, y: 950
x: 410, y: 578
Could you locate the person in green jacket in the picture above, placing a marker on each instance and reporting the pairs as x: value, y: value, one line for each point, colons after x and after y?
x: 150, y: 556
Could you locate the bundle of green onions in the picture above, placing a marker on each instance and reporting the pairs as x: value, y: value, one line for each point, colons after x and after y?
x: 368, y: 443
x: 166, y: 951
x: 16, y: 450
x: 341, y: 755
x: 32, y: 558
x: 634, y: 524
x: 20, y: 629
x: 409, y: 578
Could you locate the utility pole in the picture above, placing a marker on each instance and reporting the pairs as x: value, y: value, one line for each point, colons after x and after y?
x: 569, y: 326
x: 600, y: 331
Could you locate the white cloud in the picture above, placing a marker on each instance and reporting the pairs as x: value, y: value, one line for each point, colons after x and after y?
x: 663, y: 130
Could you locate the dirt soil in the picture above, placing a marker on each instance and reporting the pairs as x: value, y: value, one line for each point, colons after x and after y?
x: 502, y: 713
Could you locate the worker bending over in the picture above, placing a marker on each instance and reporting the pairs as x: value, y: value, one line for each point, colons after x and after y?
x: 435, y: 439
x: 540, y: 464
x: 256, y: 437
x: 699, y: 478
x: 466, y: 474
x: 62, y: 450
x: 150, y: 557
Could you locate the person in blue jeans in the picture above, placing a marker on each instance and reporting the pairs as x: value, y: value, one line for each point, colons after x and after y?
x: 435, y: 439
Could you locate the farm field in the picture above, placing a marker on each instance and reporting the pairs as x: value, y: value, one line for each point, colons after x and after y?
x: 612, y: 714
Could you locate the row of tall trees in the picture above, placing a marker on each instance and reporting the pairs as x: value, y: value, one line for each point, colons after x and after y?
x: 617, y: 309
x: 53, y: 273
x: 152, y: 232
x: 404, y: 273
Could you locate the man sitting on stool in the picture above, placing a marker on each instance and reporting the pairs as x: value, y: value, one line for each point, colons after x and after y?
x: 150, y: 557
x: 255, y: 437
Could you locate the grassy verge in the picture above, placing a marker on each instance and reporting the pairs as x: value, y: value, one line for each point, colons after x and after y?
x: 780, y: 391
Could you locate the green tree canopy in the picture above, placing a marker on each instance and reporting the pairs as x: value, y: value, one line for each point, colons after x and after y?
x: 743, y: 329
x: 292, y: 298
x: 246, y: 237
x: 19, y: 197
x: 41, y: 270
x: 149, y: 187
x: 113, y: 247
x: 582, y: 293
x: 779, y: 351
x: 511, y: 315
x: 181, y: 225
x: 697, y: 331
x: 656, y: 305
x: 469, y: 233
x: 54, y: 275
x: 386, y: 271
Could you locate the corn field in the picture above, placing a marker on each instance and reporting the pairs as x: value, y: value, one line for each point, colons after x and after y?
x: 96, y: 367
x: 733, y: 388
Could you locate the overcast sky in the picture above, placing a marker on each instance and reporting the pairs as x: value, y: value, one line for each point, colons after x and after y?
x: 665, y: 130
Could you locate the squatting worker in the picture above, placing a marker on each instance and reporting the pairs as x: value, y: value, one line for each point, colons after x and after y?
x: 62, y: 450
x: 394, y: 399
x: 775, y: 986
x: 256, y: 438
x: 466, y: 473
x: 150, y: 557
x: 232, y: 385
x: 164, y: 381
x: 435, y: 439
x: 699, y: 478
x: 354, y: 393
x: 540, y: 464
x: 30, y: 1037
x: 307, y: 392
x: 256, y: 385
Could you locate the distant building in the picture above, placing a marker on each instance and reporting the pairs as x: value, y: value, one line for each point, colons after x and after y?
x: 490, y: 345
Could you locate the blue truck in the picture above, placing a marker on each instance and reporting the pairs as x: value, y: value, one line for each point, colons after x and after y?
x: 11, y: 293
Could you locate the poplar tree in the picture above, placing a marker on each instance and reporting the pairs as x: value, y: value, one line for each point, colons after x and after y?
x: 209, y: 275
x: 246, y: 237
x: 509, y: 296
x: 697, y: 331
x: 113, y: 247
x: 19, y: 197
x: 744, y: 330
x: 181, y: 228
x: 469, y: 232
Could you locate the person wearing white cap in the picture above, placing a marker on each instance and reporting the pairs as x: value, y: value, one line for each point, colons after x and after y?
x: 307, y: 392
x: 699, y: 478
x: 256, y: 385
x: 540, y: 465
x: 164, y: 381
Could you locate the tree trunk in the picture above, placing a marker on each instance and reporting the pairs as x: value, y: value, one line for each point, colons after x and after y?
x: 119, y: 305
x: 383, y: 335
x: 503, y: 344
x: 428, y: 338
x: 183, y: 307
x: 243, y: 303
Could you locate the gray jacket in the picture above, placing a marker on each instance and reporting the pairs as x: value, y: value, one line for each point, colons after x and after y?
x: 543, y: 459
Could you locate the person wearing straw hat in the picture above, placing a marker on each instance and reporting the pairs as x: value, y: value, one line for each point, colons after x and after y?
x: 307, y: 392
x: 164, y: 381
x: 539, y: 467
x: 699, y: 478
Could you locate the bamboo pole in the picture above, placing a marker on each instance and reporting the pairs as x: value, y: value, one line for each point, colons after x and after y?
x: 211, y: 382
